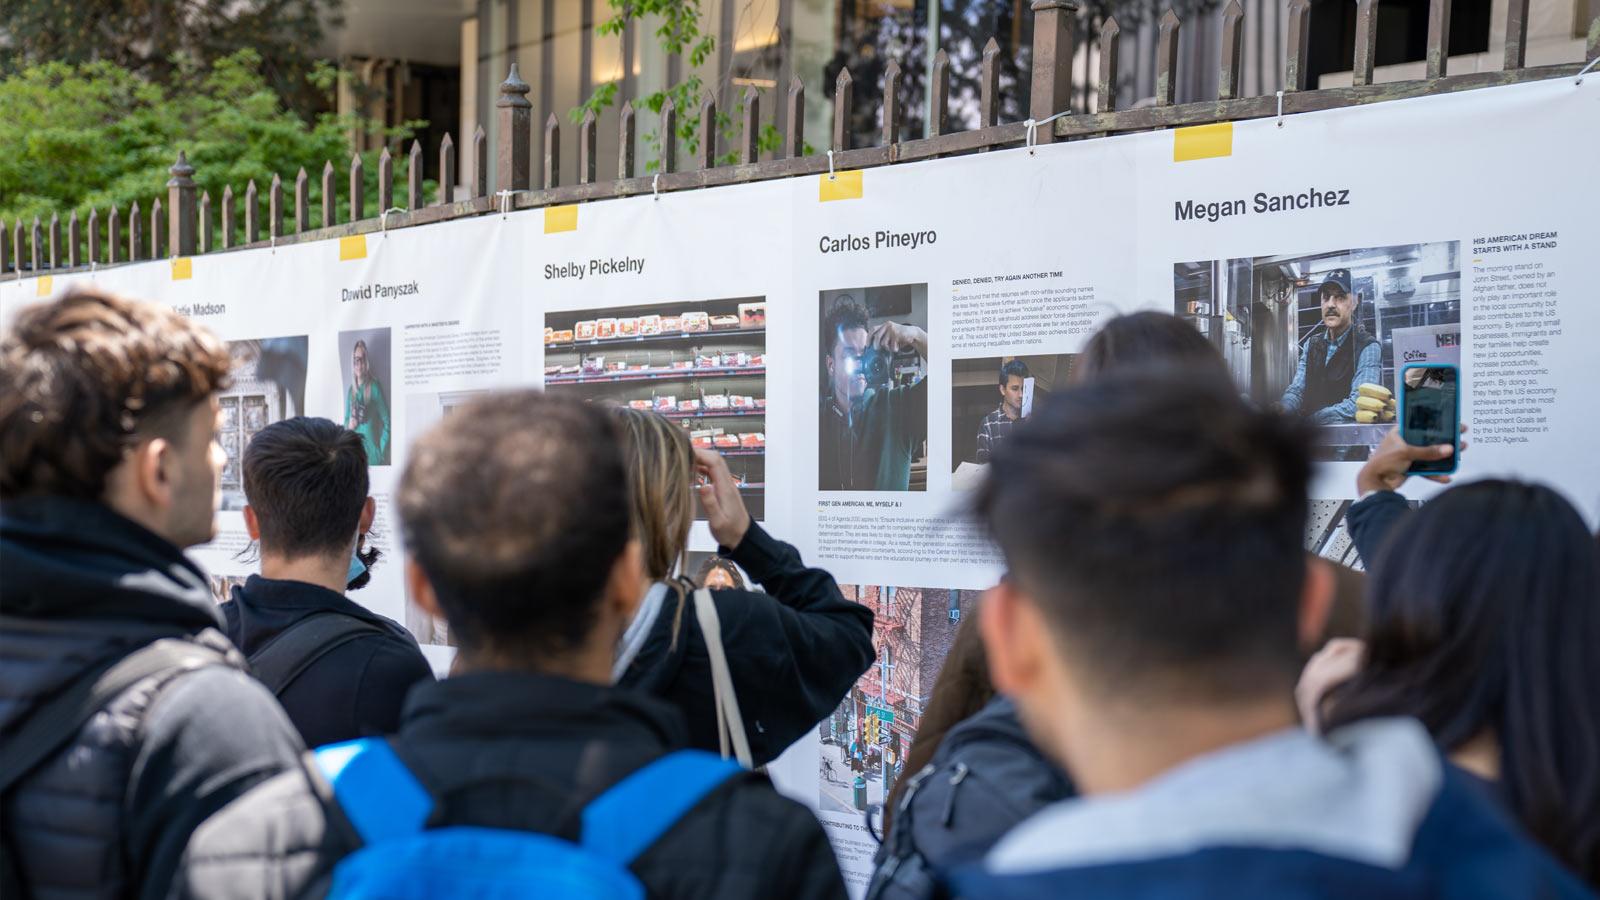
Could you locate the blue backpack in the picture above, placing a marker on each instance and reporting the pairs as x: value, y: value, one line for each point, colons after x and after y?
x: 402, y: 858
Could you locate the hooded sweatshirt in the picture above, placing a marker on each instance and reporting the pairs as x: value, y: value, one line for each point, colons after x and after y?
x: 110, y: 814
x: 1371, y: 811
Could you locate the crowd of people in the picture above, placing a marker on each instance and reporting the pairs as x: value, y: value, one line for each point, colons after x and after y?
x: 1164, y: 696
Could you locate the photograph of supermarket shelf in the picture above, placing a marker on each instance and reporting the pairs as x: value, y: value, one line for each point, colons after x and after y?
x: 1305, y: 332
x: 1328, y: 534
x: 269, y: 385
x: 364, y: 370
x: 865, y: 740
x: 872, y: 424
x: 701, y: 363
x: 988, y: 397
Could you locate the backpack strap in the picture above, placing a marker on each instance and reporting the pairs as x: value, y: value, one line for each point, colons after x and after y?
x: 378, y: 795
x: 48, y: 728
x: 298, y: 647
x: 635, y: 812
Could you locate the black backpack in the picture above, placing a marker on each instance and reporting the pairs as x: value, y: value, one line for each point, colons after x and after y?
x: 297, y: 648
x: 971, y: 797
x: 50, y: 727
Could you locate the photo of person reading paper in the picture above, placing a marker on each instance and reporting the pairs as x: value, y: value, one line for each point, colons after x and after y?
x: 873, y: 421
x: 989, y: 397
x: 1337, y: 360
x: 996, y: 426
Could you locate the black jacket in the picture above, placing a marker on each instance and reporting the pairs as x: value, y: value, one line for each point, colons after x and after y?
x: 358, y: 689
x: 793, y: 652
x: 110, y: 815
x: 525, y: 751
x: 1330, y: 381
x: 1370, y: 520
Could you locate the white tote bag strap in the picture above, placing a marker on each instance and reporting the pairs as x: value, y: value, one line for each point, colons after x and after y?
x: 730, y: 724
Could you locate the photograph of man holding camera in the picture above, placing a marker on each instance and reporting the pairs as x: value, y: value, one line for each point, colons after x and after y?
x: 871, y: 427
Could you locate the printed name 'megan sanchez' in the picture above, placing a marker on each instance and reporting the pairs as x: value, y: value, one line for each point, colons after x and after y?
x: 1263, y: 202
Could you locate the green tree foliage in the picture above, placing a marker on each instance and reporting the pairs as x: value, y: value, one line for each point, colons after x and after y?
x: 147, y: 37
x: 94, y: 135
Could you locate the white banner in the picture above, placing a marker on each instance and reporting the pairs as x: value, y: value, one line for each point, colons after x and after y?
x: 845, y: 340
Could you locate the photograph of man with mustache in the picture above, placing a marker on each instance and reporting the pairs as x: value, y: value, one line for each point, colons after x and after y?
x: 1338, y: 358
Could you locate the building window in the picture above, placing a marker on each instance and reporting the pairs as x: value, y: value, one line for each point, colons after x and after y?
x: 1402, y: 33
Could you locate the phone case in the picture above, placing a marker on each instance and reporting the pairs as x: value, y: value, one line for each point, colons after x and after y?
x: 1455, y: 439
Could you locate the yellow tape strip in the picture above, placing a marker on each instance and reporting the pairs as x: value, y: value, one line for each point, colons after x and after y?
x: 1202, y: 142
x: 182, y: 268
x: 353, y: 247
x: 560, y: 218
x: 44, y: 285
x: 839, y: 186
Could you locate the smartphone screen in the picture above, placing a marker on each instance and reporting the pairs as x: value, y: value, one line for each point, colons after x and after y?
x: 1430, y: 413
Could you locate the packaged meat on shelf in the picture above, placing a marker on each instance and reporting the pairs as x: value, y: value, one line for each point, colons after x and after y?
x: 699, y: 363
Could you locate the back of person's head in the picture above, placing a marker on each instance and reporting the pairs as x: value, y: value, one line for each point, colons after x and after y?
x: 659, y: 461
x: 1143, y: 339
x: 1154, y: 520
x: 1485, y: 620
x: 306, y: 482
x: 87, y: 382
x: 515, y: 510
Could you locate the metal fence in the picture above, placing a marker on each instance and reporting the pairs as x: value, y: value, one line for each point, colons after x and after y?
x: 181, y: 225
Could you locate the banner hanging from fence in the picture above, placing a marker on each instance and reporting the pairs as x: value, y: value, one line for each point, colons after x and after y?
x: 853, y: 343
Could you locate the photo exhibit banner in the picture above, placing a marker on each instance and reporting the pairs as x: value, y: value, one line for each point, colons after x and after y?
x: 858, y: 345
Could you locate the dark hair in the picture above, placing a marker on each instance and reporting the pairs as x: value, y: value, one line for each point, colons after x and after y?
x: 1142, y: 338
x: 1485, y: 617
x: 1015, y: 367
x: 87, y: 376
x: 306, y: 480
x: 1157, y: 520
x: 722, y: 564
x: 845, y: 315
x: 516, y: 508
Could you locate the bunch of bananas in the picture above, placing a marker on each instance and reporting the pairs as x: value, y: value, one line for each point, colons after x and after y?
x: 1375, y: 403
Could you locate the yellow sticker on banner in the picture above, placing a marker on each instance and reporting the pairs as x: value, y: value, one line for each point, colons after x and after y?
x: 839, y: 186
x: 353, y: 247
x: 560, y: 218
x: 1202, y: 142
x: 182, y: 268
x: 44, y: 284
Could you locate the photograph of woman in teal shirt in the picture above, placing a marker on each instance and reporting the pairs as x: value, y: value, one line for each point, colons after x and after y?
x: 366, y: 408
